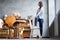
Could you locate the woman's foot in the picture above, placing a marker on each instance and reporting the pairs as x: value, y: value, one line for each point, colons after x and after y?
x: 40, y: 37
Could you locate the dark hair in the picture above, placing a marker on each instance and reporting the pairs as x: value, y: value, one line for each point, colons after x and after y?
x: 40, y: 4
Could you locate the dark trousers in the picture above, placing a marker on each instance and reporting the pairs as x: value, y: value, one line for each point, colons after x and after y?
x: 40, y: 24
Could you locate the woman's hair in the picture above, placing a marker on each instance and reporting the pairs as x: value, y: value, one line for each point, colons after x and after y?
x: 40, y: 4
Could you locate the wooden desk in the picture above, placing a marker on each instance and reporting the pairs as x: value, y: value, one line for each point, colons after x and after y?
x: 23, y: 24
x: 26, y: 29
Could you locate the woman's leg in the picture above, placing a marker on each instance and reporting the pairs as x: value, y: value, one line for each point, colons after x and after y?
x: 41, y: 25
x: 35, y: 22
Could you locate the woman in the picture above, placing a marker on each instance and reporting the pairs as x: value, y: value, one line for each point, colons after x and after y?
x: 39, y: 17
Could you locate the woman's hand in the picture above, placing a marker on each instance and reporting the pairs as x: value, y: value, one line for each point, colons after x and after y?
x: 36, y: 16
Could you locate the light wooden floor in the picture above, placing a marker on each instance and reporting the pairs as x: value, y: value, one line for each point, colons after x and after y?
x: 34, y: 39
x: 31, y: 39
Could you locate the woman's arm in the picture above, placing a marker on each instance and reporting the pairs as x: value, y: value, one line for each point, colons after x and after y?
x: 40, y: 11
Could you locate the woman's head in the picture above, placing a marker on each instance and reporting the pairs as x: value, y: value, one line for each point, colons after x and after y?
x: 40, y: 4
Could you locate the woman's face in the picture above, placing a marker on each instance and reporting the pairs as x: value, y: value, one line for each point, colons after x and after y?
x: 39, y: 4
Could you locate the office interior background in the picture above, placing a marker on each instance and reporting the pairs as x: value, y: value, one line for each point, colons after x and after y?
x: 29, y: 7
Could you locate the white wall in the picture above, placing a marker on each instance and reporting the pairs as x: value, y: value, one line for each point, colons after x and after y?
x: 51, y: 11
x: 57, y: 6
x: 56, y: 22
x: 53, y: 15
